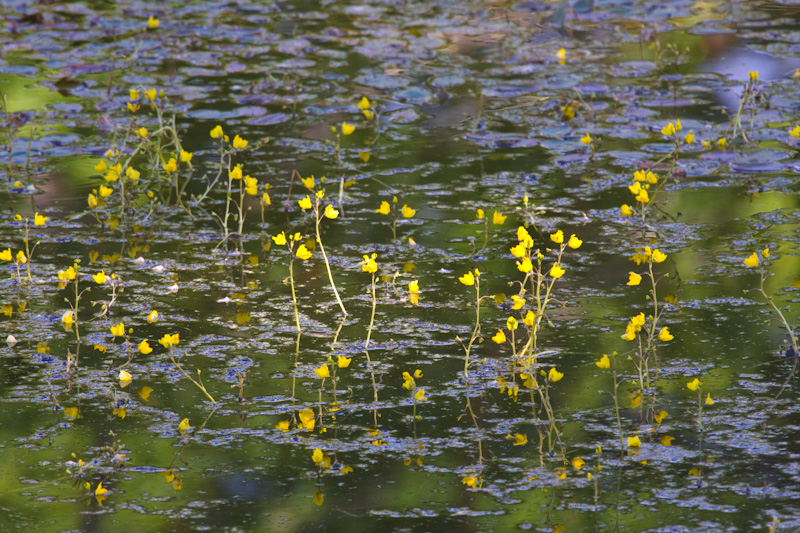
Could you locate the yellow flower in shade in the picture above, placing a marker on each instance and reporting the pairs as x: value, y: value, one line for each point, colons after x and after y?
x: 467, y: 279
x: 574, y: 242
x: 305, y: 203
x: 171, y: 165
x: 751, y: 261
x: 557, y: 237
x: 660, y: 415
x: 518, y: 304
x: 420, y: 395
x: 499, y: 338
x: 239, y: 143
x: 529, y: 318
x: 144, y: 347
x: 118, y: 330
x: 105, y: 192
x: 150, y: 94
x: 279, y: 239
x: 668, y: 130
x: 216, y: 133
x: 152, y: 23
x: 554, y: 375
x: 795, y: 132
x: 283, y: 425
x: 330, y: 212
x: 586, y: 139
x: 133, y: 108
x: 408, y: 212
x: 39, y: 220
x: 369, y: 264
x: 636, y: 399
x: 68, y: 318
x: 384, y: 209
x: 21, y: 259
x: 303, y: 252
x: 658, y: 256
x: 498, y: 219
x: 152, y: 317
x: 664, y: 335
x: 470, y: 481
x: 134, y: 95
x: 184, y: 425
x: 512, y: 324
x: 322, y: 372
x: 634, y: 278
x: 578, y: 463
x: 343, y: 362
x: 693, y: 385
x: 666, y: 440
x: 5, y: 255
x: 520, y: 439
x: 124, y: 378
x: 709, y: 401
x: 557, y: 271
x: 625, y: 210
x: 100, y: 277
x: 525, y: 266
x: 765, y: 253
x: 317, y: 456
x: 634, y: 442
x: 604, y: 362
x: 347, y: 129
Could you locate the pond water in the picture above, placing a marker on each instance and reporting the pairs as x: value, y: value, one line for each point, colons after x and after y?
x: 409, y: 411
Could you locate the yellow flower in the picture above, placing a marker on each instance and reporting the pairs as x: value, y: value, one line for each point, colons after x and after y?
x: 152, y: 317
x: 134, y: 95
x: 322, y: 372
x: 216, y: 133
x: 751, y: 261
x: 689, y: 138
x: 363, y: 103
x: 142, y: 132
x: 347, y: 129
x: 634, y: 278
x: 171, y: 165
x: 557, y: 237
x: 512, y: 324
x: 668, y: 130
x: 765, y: 253
x: 561, y: 55
x: 658, y: 256
x: 68, y: 318
x: 118, y: 330
x: 722, y: 142
x: 642, y: 197
x: 100, y: 167
x: 250, y: 185
x: 280, y: 239
x: 625, y: 210
x: 309, y: 182
x: 524, y: 237
x: 305, y: 203
x: 753, y: 75
x: 498, y: 219
x: 150, y: 95
x: 630, y: 333
x: 479, y: 214
x: 21, y: 259
x: 152, y: 23
x: 302, y: 252
x: 634, y: 442
x: 420, y: 395
x: 413, y: 286
x: 586, y: 139
x: 499, y: 338
x: 125, y: 377
x: 574, y: 242
x: 5, y: 255
x: 525, y: 266
x: 666, y: 440
x: 100, y: 277
x: 330, y: 212
x: 184, y: 425
x: 369, y: 264
x: 554, y: 375
x: 578, y: 463
x: 660, y: 415
x: 169, y: 340
x: 66, y: 275
x: 317, y: 456
x: 236, y: 173
x: 467, y: 279
x: 694, y: 384
x: 384, y: 209
x: 678, y: 126
x: 664, y: 335
x: 469, y: 481
x: 100, y: 491
x: 144, y: 347
x: 408, y: 212
x: 132, y: 173
x: 133, y: 108
x: 239, y: 143
x: 709, y: 401
x: 604, y: 362
x: 39, y: 220
x: 518, y: 250
x: 557, y: 271
x: 105, y: 192
x: 520, y: 439
x: 518, y: 304
x: 795, y: 132
x: 186, y: 156
x: 529, y: 318
x: 343, y: 362
x: 638, y: 321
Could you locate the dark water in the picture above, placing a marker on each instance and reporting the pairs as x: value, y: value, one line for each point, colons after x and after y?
x: 470, y: 101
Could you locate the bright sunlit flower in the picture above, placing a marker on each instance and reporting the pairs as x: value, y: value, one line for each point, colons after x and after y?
x: 586, y: 139
x: 169, y: 340
x: 280, y: 239
x: 150, y: 94
x: 499, y: 338
x: 520, y: 439
x: 144, y: 347
x: 384, y: 209
x: 668, y: 130
x: 303, y: 252
x: 561, y: 55
x: 557, y: 271
x: 5, y: 255
x: 369, y: 265
x: 765, y: 253
x: 634, y: 442
x: 152, y: 23
x: 186, y: 156
x: 68, y: 318
x: 625, y: 210
x: 322, y: 372
x: 235, y: 174
x: 604, y: 362
x: 574, y: 242
x: 118, y: 330
x: 753, y: 75
x: 751, y: 261
x: 39, y: 220
x: 305, y: 203
x: 557, y: 237
x: 634, y: 278
x: 554, y: 375
x: 694, y: 384
x: 171, y: 165
x: 105, y: 192
x: 343, y: 362
x: 330, y: 212
x: 659, y: 256
x: 795, y: 132
x: 518, y: 250
x: 467, y: 279
x: 124, y: 377
x: 408, y: 212
x: 525, y: 265
x: 664, y: 335
x: 99, y: 278
x: 347, y: 129
x: 512, y: 324
x: 216, y: 133
x: 152, y: 317
x: 239, y: 143
x: 709, y: 401
x: 498, y: 218
x: 184, y: 425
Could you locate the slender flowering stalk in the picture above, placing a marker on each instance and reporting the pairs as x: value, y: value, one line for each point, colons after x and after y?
x: 319, y: 214
x: 472, y: 279
x: 369, y: 265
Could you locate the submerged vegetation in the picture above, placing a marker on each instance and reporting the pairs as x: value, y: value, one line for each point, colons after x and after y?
x: 196, y: 321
